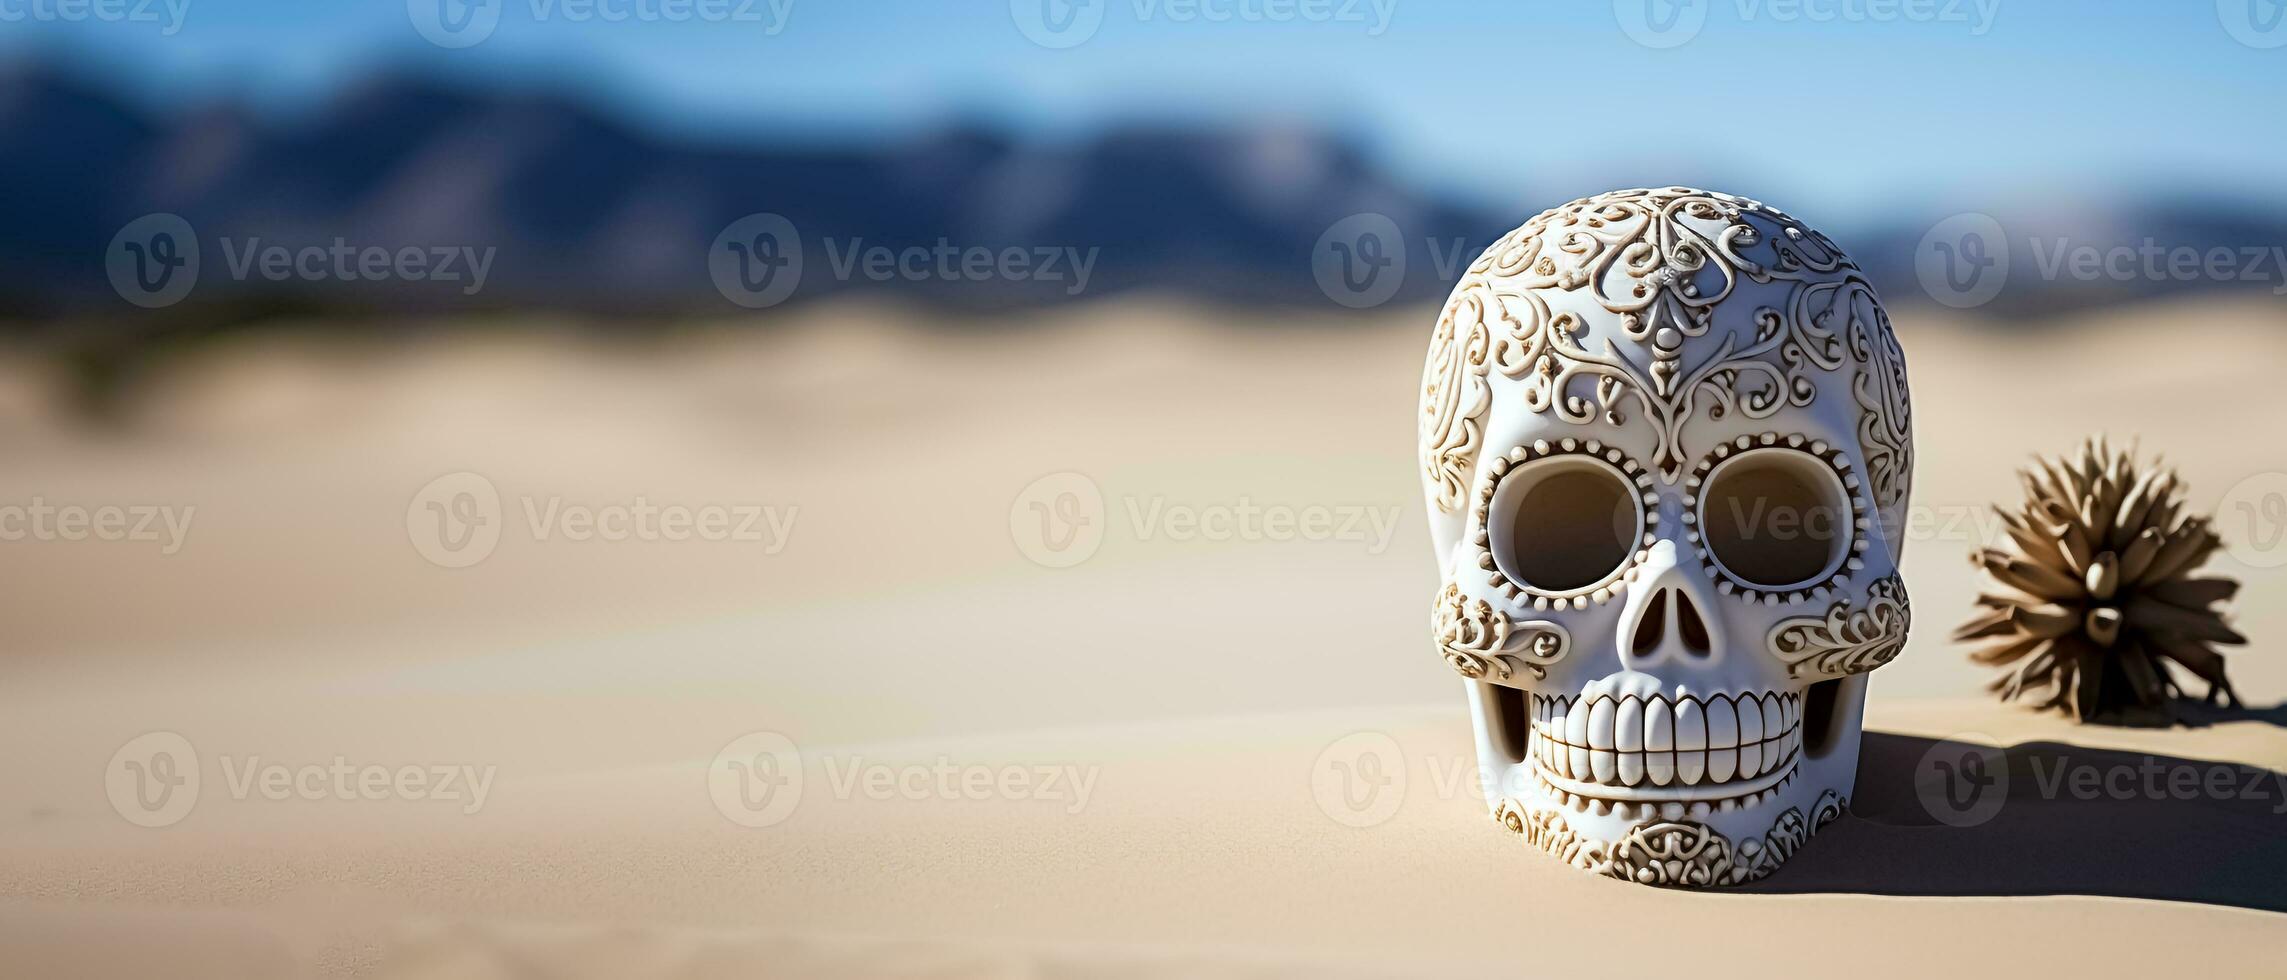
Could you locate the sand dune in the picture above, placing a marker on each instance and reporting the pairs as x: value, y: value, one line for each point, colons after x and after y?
x: 899, y: 626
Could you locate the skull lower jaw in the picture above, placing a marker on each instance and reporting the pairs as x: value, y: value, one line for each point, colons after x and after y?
x: 1686, y: 853
x: 1670, y: 821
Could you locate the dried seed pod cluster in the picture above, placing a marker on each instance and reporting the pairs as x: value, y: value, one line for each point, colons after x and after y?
x: 2098, y: 595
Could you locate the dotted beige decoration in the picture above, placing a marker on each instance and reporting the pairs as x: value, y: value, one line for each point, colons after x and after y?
x: 1729, y: 584
x: 1611, y: 586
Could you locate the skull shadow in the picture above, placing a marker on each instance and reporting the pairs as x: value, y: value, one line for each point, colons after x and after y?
x: 1933, y: 817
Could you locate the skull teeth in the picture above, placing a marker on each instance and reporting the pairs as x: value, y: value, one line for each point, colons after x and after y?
x: 1699, y: 747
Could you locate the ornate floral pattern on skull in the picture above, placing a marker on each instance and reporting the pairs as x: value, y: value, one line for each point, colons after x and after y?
x: 1479, y: 641
x: 1660, y: 259
x: 1670, y: 852
x: 1886, y: 430
x: 1848, y: 639
x: 1454, y: 395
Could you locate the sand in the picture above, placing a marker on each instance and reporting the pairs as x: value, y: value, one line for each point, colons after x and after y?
x: 1190, y: 685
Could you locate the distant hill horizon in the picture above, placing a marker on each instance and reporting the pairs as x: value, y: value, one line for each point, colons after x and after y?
x: 410, y: 195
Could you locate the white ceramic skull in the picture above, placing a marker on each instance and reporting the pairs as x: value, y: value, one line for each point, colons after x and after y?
x: 1666, y: 445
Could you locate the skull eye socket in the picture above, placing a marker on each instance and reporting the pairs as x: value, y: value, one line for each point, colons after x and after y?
x: 1776, y: 519
x: 1563, y: 524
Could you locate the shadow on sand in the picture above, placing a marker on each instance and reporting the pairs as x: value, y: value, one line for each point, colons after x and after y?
x: 2066, y: 820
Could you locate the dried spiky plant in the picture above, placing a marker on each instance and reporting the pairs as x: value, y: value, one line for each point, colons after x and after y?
x: 2098, y: 596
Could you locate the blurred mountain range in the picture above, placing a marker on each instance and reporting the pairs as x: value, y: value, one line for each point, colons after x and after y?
x: 577, y: 211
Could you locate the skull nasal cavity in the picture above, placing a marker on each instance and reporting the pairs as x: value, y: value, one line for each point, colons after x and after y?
x: 1653, y: 627
x: 1688, y: 623
x: 1691, y: 630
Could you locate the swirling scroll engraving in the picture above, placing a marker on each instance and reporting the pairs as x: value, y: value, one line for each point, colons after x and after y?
x: 1672, y: 852
x: 1886, y: 427
x: 1849, y: 639
x: 1481, y: 642
x: 1661, y: 261
x: 1454, y: 397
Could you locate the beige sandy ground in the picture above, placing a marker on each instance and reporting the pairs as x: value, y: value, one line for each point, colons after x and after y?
x: 1192, y: 684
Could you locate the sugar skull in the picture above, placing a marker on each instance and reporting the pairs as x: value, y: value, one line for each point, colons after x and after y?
x: 1666, y: 447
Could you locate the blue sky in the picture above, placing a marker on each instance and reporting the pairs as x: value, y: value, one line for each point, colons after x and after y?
x: 1848, y: 107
